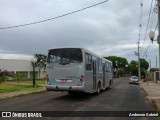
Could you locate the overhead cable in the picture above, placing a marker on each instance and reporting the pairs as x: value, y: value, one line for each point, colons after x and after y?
x: 60, y: 16
x: 147, y: 25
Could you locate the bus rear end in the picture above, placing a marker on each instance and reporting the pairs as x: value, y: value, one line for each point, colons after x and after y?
x: 65, y: 70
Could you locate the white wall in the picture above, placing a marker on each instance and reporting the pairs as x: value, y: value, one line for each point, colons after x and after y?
x: 15, y: 65
x: 19, y: 66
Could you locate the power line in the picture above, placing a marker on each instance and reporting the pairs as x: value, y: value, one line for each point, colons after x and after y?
x: 150, y: 42
x: 45, y: 20
x: 140, y: 23
x: 147, y: 49
x: 147, y: 25
x: 153, y: 16
x: 151, y: 24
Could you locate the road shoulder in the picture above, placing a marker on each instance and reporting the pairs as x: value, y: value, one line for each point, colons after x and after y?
x: 20, y: 93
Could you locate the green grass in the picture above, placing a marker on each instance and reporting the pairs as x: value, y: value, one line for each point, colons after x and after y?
x: 14, y: 87
x: 31, y: 81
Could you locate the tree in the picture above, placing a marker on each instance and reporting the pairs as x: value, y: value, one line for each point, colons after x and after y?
x: 118, y: 62
x: 41, y: 62
x: 144, y: 63
x: 144, y: 67
x: 133, y: 67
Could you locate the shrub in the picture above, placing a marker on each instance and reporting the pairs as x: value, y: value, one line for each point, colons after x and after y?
x: 2, y: 78
x: 120, y: 72
x: 4, y: 74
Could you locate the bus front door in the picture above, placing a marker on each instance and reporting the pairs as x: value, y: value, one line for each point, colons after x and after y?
x: 94, y: 75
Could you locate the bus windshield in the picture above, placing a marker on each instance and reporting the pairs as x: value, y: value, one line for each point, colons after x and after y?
x: 65, y: 56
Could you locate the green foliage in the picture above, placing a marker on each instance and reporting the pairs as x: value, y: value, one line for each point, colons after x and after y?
x: 19, y: 76
x: 118, y: 62
x: 120, y: 72
x: 13, y: 87
x: 4, y: 74
x: 144, y: 64
x: 40, y: 81
x: 133, y: 67
x: 2, y: 78
x: 144, y: 67
x: 41, y: 61
x: 143, y: 72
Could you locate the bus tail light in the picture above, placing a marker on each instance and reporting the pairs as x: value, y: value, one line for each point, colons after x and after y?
x: 47, y: 79
x: 81, y: 82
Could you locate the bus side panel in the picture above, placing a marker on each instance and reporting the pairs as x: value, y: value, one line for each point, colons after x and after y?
x: 87, y: 75
x: 107, y: 79
x: 89, y: 81
x: 100, y: 78
x: 111, y: 77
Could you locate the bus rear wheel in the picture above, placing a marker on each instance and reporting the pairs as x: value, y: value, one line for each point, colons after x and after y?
x: 98, y: 88
x: 110, y: 84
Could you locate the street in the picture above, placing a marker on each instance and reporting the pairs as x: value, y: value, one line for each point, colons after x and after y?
x: 121, y: 97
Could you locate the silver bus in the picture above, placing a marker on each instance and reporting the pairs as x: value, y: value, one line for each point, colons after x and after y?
x: 77, y: 70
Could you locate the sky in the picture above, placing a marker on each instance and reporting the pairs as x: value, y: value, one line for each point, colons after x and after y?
x: 109, y: 29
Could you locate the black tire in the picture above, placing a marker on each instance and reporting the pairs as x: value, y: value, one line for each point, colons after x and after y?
x: 98, y: 89
x: 110, y: 84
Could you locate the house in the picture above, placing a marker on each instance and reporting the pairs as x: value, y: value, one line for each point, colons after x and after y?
x: 21, y: 66
x: 154, y: 74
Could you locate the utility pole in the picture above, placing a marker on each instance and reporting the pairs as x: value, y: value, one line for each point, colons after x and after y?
x: 140, y: 28
x: 150, y: 63
x: 158, y: 38
x: 152, y: 34
x: 156, y: 62
x: 139, y: 69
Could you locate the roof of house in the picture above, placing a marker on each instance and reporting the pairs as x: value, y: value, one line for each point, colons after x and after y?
x: 15, y: 65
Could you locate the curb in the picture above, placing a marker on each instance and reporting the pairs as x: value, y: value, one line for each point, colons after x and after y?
x: 144, y: 90
x: 157, y: 104
x: 23, y: 94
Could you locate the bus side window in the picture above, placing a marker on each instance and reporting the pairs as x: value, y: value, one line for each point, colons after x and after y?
x: 51, y: 58
x: 109, y: 67
x: 88, y: 61
x: 99, y: 64
x: 106, y: 66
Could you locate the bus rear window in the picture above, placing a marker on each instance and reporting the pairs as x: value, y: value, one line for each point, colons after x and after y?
x: 65, y: 56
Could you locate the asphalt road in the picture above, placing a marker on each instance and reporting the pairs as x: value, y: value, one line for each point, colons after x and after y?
x: 121, y: 97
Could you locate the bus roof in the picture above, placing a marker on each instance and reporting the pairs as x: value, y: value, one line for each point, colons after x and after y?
x: 82, y: 49
x: 96, y: 55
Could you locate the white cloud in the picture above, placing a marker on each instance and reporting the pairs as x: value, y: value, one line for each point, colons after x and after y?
x: 16, y: 56
x: 107, y: 29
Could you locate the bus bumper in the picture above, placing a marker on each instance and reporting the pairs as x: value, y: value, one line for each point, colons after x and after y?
x: 64, y: 88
